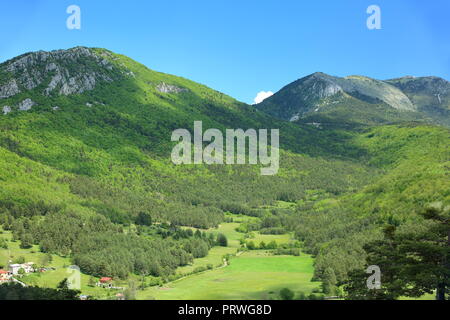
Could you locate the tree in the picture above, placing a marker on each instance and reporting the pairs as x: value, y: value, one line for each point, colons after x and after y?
x: 3, y: 243
x: 64, y: 284
x: 130, y: 292
x: 251, y: 245
x: 301, y: 296
x: 144, y: 219
x: 91, y: 282
x: 414, y: 260
x: 26, y: 241
x: 46, y: 259
x: 222, y: 240
x: 329, y: 282
x: 15, y: 291
x: 12, y: 295
x: 272, y: 245
x: 20, y: 260
x: 286, y: 294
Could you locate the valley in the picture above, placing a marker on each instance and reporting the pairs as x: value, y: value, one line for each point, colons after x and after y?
x: 86, y: 178
x: 226, y: 273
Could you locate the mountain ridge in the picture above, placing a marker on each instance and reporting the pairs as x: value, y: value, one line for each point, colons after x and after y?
x: 308, y: 96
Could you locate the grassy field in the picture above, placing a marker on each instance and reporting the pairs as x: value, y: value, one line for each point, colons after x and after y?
x: 30, y: 255
x: 49, y: 279
x: 250, y: 275
x: 214, y: 258
x: 228, y: 229
x: 253, y: 275
x: 278, y: 238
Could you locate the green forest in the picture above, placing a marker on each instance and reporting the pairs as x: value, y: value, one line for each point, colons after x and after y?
x: 92, y: 181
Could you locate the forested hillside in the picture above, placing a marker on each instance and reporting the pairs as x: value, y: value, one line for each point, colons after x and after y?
x: 85, y: 169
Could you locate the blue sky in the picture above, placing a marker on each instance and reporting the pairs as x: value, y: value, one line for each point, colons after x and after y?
x: 241, y: 47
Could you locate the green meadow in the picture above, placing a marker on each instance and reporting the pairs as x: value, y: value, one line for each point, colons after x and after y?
x: 253, y: 275
x: 48, y: 279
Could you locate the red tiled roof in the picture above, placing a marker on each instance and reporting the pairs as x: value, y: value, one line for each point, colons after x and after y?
x: 3, y: 272
x: 105, y: 279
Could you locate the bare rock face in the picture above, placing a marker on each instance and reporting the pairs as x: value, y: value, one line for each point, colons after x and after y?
x: 63, y: 72
x: 8, y: 90
x: 26, y: 105
x: 6, y: 110
x: 168, y: 88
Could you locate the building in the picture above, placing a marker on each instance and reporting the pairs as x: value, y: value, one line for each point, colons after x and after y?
x: 14, y: 268
x: 105, y: 282
x: 27, y: 268
x: 120, y: 296
x: 5, y: 276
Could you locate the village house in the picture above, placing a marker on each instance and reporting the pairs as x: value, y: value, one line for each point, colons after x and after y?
x: 27, y: 268
x: 105, y: 282
x: 5, y: 276
x: 120, y: 296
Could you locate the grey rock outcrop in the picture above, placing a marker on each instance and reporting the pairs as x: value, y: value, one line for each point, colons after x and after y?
x: 6, y: 110
x: 168, y: 88
x: 26, y: 104
x: 8, y: 90
x: 56, y: 71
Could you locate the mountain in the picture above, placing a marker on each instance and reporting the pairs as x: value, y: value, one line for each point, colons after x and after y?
x: 85, y: 168
x: 82, y: 81
x: 321, y: 98
x: 431, y: 95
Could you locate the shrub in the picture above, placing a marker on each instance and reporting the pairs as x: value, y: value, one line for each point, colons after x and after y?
x: 286, y: 294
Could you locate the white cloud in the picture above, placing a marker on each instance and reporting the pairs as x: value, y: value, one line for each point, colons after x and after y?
x: 263, y: 95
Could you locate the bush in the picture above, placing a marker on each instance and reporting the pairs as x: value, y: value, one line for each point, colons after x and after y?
x: 251, y: 245
x: 3, y: 244
x: 301, y: 296
x: 286, y: 294
x: 222, y: 240
x: 199, y: 269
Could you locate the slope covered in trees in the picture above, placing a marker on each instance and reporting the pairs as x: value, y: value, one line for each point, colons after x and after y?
x: 87, y: 174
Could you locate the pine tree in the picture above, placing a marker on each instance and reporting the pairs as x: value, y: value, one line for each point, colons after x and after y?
x: 414, y: 260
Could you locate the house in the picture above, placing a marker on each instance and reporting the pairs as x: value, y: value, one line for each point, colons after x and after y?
x: 27, y: 268
x: 5, y: 276
x: 14, y: 268
x: 120, y: 296
x: 105, y: 282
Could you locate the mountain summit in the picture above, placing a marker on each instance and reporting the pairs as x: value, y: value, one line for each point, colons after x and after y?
x: 54, y: 72
x: 319, y: 94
